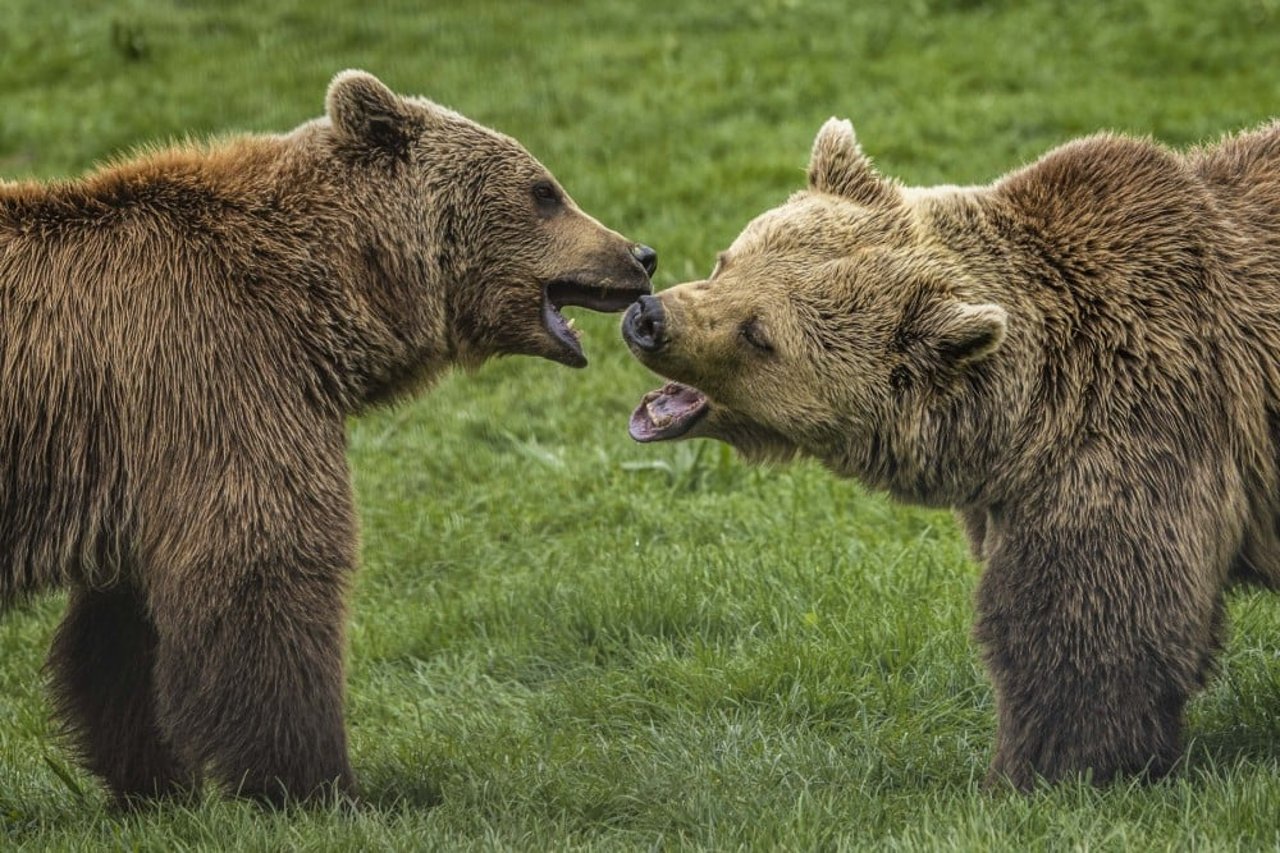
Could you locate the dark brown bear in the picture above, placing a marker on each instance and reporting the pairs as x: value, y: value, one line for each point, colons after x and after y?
x: 1082, y: 358
x: 183, y: 338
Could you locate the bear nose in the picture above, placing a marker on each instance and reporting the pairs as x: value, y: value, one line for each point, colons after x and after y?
x: 647, y: 257
x: 643, y: 326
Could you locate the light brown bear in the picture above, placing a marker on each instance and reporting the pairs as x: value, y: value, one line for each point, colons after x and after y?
x: 182, y: 338
x: 1081, y: 358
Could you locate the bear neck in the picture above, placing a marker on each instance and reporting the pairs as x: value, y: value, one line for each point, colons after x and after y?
x: 1085, y: 249
x: 385, y: 310
x: 948, y: 447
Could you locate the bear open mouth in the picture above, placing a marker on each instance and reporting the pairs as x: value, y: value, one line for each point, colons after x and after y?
x: 667, y: 413
x: 563, y: 293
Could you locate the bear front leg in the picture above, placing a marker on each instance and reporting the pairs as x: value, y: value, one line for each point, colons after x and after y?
x: 100, y: 667
x: 248, y: 596
x: 250, y: 681
x: 1094, y: 637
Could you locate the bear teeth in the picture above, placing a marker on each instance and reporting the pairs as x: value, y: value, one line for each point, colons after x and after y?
x: 657, y: 417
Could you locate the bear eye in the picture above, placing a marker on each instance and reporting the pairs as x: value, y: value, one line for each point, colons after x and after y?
x: 754, y: 335
x: 545, y: 194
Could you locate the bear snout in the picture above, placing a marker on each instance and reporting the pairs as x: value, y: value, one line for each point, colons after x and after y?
x: 644, y: 325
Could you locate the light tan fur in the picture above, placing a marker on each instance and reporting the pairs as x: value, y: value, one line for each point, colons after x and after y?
x: 1081, y: 358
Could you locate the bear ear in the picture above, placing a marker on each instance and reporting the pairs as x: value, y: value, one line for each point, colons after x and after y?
x: 362, y: 108
x: 965, y: 333
x: 838, y: 166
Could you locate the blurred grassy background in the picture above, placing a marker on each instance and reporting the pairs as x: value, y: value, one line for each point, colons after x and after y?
x: 561, y: 639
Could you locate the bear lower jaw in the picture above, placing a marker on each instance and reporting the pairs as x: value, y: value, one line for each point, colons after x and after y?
x: 563, y: 334
x: 668, y: 413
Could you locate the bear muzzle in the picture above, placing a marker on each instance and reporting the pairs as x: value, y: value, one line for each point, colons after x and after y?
x: 584, y: 289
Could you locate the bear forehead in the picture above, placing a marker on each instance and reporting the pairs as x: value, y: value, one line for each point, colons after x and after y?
x: 822, y: 265
x: 821, y: 226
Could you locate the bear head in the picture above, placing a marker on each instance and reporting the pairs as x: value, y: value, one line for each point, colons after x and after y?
x: 831, y: 327
x: 467, y: 213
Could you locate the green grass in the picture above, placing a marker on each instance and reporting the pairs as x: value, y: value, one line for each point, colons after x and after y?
x: 563, y: 640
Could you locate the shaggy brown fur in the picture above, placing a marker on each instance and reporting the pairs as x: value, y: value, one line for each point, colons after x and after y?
x: 1081, y: 358
x: 182, y: 337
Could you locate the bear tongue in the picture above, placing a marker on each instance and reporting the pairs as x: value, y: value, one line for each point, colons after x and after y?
x: 667, y: 413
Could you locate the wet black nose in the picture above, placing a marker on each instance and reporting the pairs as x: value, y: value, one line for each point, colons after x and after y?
x: 647, y: 257
x: 644, y: 325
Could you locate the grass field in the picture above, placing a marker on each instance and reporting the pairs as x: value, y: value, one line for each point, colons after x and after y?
x: 564, y: 640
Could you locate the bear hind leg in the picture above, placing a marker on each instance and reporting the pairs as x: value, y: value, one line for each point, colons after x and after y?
x: 101, y: 674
